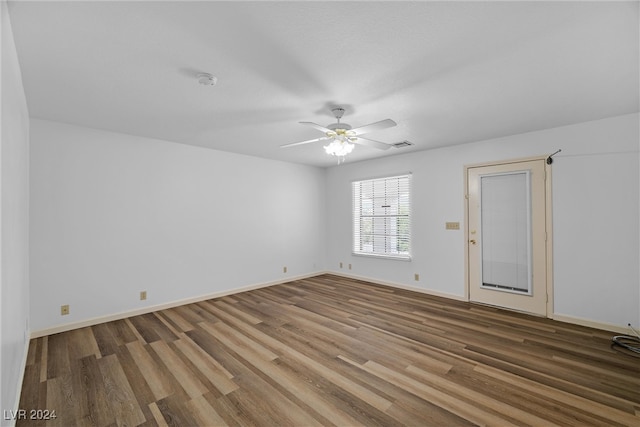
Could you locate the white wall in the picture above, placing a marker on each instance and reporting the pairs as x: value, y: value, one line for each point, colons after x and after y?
x: 114, y: 214
x: 14, y: 223
x: 595, y: 216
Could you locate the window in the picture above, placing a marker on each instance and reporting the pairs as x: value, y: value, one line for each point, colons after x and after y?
x: 381, y: 217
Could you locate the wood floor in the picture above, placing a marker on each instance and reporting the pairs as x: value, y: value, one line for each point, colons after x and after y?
x: 331, y: 351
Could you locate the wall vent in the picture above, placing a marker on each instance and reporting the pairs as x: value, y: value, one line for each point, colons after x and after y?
x: 402, y: 144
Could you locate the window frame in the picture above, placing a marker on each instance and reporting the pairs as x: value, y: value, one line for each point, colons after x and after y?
x: 356, y: 219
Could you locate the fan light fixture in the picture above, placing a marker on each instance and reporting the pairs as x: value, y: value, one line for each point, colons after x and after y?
x: 342, y: 136
x: 339, y: 147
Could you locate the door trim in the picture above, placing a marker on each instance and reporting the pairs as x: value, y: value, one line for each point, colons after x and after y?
x: 548, y: 224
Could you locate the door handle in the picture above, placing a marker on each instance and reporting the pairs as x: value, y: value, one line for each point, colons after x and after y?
x: 472, y: 241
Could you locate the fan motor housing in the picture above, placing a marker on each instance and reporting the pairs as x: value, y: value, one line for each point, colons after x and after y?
x: 342, y: 126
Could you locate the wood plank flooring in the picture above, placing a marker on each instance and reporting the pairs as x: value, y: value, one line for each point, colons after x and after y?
x: 331, y: 351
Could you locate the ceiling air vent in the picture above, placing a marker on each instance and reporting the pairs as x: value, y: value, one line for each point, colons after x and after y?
x: 402, y: 144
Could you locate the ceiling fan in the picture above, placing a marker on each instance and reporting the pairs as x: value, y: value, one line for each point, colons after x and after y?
x: 342, y: 136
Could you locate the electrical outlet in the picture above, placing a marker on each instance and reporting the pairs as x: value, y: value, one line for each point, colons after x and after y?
x: 349, y: 266
x: 340, y: 265
x: 416, y: 277
x: 143, y: 295
x: 64, y: 310
x: 284, y: 269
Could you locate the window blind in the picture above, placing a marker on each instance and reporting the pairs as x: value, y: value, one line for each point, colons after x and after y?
x: 382, y: 217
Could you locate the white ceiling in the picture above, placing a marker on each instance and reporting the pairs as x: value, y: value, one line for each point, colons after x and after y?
x: 446, y: 72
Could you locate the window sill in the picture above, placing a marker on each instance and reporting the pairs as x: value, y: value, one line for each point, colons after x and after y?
x: 391, y: 257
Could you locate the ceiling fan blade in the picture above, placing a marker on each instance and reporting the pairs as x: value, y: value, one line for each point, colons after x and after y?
x: 324, y: 138
x: 382, y: 124
x: 370, y: 143
x: 317, y: 126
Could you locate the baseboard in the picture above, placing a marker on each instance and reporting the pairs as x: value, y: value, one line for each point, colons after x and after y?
x: 23, y: 366
x: 592, y: 324
x: 561, y: 318
x: 399, y: 285
x: 150, y: 309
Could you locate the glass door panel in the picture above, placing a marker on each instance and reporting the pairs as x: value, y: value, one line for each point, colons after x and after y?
x: 506, y: 232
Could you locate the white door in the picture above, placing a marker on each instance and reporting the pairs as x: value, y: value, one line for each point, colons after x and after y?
x: 507, y: 235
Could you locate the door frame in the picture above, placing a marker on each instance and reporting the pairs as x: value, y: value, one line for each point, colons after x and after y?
x: 548, y: 225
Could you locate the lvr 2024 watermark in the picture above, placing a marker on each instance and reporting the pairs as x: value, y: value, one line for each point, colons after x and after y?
x: 29, y: 414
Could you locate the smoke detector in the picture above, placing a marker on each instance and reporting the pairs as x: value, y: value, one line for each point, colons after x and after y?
x: 206, y: 79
